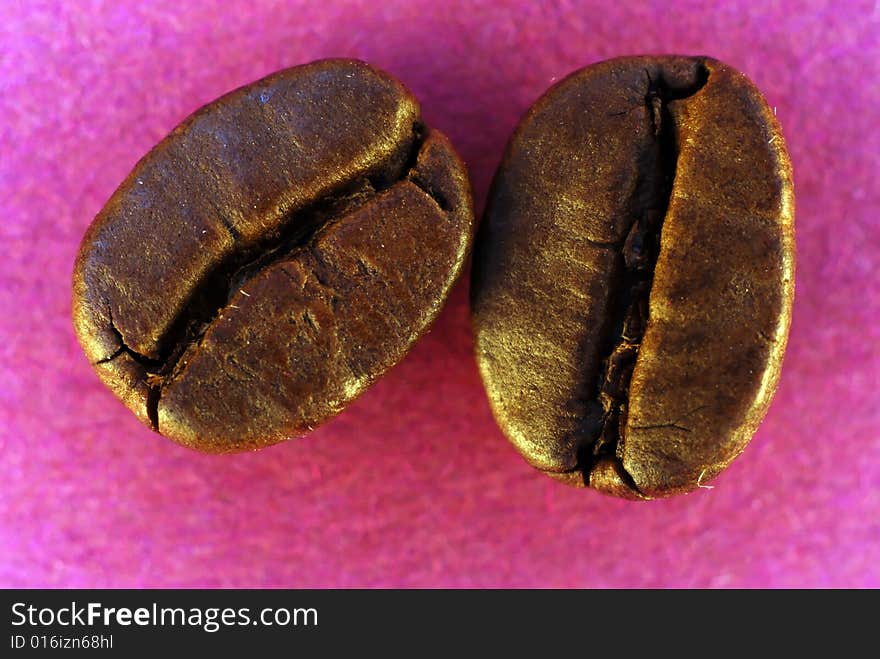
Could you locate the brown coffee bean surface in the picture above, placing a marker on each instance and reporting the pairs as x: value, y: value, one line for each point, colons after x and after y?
x: 276, y: 253
x: 633, y: 276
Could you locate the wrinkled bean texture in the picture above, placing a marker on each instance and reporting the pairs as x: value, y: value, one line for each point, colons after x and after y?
x: 276, y: 253
x: 634, y: 274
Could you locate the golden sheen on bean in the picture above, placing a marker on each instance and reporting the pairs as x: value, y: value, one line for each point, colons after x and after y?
x: 634, y: 273
x: 275, y: 254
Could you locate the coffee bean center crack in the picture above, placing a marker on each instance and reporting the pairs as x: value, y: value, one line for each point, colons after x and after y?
x: 296, y: 235
x: 604, y: 426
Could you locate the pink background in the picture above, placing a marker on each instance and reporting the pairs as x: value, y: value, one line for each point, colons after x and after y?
x: 413, y: 485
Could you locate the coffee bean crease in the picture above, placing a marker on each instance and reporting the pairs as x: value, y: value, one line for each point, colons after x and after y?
x: 605, y: 424
x: 294, y: 238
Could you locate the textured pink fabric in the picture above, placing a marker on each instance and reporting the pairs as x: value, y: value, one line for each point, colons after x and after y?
x: 414, y: 485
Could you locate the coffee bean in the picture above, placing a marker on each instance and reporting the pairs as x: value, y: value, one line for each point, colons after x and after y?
x: 276, y: 253
x: 634, y: 274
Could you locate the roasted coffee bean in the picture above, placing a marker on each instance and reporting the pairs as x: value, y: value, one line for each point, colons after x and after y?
x: 634, y: 274
x: 276, y: 253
